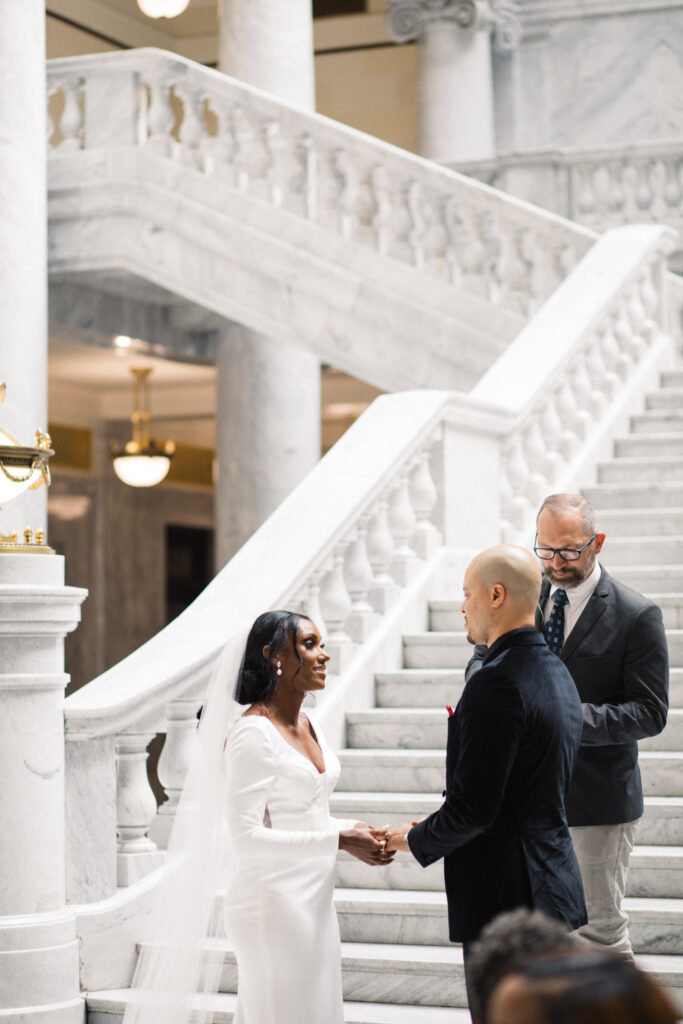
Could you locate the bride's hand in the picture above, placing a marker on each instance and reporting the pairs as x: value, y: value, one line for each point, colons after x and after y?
x: 362, y: 843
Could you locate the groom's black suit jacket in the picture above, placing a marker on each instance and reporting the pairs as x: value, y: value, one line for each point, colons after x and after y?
x: 617, y: 656
x: 509, y: 756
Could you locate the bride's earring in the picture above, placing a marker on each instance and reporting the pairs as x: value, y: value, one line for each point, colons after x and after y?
x: 278, y: 670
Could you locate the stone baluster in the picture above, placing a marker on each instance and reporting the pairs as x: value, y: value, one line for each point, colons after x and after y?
x: 583, y: 390
x: 71, y: 121
x: 348, y: 192
x: 617, y: 195
x: 416, y: 235
x: 310, y: 188
x: 243, y: 136
x: 192, y: 129
x: 52, y: 92
x: 358, y: 574
x: 473, y: 260
x: 585, y: 192
x: 641, y: 330
x: 308, y: 601
x: 424, y: 497
x: 276, y: 147
x: 615, y: 362
x: 219, y: 150
x: 552, y: 434
x: 672, y: 190
x: 643, y: 190
x: 335, y: 602
x: 380, y: 547
x: 136, y: 807
x: 623, y: 333
x: 401, y: 521
x: 383, y: 218
x: 565, y: 407
x: 592, y: 361
x: 516, y: 468
x: 602, y: 381
x: 181, y: 739
x: 535, y: 453
x: 510, y: 269
x: 160, y: 118
x: 536, y: 262
x: 457, y: 239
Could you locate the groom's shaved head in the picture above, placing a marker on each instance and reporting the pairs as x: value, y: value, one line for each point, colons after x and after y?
x: 515, y: 569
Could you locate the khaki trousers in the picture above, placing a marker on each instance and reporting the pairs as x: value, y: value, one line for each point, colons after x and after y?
x: 603, y: 853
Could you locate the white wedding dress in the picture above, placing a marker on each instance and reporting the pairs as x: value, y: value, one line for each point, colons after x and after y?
x: 279, y: 914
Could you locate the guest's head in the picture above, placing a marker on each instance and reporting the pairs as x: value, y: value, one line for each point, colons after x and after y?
x: 510, y: 942
x: 567, y: 541
x: 583, y: 988
x: 501, y: 587
x: 284, y: 649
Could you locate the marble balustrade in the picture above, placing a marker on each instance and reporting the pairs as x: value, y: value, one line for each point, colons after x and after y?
x: 360, y: 188
x: 599, y: 188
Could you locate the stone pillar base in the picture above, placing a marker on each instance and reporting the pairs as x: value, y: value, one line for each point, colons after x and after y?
x: 39, y: 969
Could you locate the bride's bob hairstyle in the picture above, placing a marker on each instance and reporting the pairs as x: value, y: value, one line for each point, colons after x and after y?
x: 256, y: 679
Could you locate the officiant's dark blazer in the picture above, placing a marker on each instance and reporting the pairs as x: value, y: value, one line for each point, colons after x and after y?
x: 617, y: 656
x: 502, y: 829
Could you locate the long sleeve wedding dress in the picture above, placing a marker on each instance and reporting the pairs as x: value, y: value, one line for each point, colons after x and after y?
x: 280, y: 917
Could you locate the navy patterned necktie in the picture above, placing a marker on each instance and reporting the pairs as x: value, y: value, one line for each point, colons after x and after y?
x: 554, y: 627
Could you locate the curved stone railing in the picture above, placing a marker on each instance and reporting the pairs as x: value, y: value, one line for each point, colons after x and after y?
x: 386, y: 200
x: 568, y: 376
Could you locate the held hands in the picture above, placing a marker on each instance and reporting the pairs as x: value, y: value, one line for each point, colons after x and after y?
x: 367, y: 843
x: 396, y: 838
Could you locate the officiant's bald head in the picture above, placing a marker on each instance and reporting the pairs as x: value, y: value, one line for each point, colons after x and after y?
x: 502, y: 586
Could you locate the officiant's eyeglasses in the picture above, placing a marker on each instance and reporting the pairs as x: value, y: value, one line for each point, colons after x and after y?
x: 566, y: 554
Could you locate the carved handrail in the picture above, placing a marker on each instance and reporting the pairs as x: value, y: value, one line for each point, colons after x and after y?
x: 500, y: 249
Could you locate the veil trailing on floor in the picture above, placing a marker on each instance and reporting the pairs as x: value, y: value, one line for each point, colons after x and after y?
x: 177, y: 969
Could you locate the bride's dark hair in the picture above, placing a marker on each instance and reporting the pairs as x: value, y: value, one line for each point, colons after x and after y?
x: 256, y: 680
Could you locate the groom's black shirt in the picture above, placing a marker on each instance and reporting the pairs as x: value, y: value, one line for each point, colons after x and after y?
x: 502, y: 828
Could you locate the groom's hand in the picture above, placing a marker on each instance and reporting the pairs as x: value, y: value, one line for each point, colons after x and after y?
x: 397, y: 838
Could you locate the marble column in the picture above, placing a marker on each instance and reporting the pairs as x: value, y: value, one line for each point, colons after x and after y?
x: 39, y: 956
x: 455, y: 101
x: 268, y: 407
x: 267, y: 430
x: 269, y: 43
x: 23, y: 239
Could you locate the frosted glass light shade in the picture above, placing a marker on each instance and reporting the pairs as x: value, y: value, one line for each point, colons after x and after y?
x: 141, y: 470
x: 162, y: 8
x: 9, y: 489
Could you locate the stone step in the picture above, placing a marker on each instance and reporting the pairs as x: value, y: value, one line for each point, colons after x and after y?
x: 639, y: 522
x: 652, y: 469
x: 671, y: 379
x: 662, y: 421
x: 650, y: 579
x: 451, y: 649
x: 635, y: 495
x: 109, y: 1007
x: 644, y: 444
x: 423, y: 771
x: 655, y: 872
x: 436, y: 650
x: 661, y: 824
x: 643, y: 551
x: 420, y: 687
x: 445, y: 616
x: 665, y: 398
x: 425, y: 729
x: 420, y: 918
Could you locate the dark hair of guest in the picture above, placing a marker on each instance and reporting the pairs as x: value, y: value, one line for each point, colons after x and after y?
x: 597, y: 989
x: 256, y: 680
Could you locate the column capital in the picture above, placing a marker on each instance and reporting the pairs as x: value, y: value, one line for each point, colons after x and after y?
x: 408, y: 19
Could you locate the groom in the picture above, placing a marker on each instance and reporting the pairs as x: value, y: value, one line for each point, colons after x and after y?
x: 512, y: 741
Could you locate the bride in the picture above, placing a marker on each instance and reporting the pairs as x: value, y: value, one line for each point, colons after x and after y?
x: 255, y: 818
x: 279, y: 910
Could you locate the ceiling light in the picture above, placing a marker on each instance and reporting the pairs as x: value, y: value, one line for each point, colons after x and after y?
x: 141, y: 462
x: 162, y: 8
x: 123, y: 341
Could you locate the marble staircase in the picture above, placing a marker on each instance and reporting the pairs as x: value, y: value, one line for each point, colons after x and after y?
x: 393, y: 767
x: 398, y: 965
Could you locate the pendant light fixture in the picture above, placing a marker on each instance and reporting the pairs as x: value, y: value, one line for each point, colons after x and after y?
x: 141, y: 462
x: 163, y: 8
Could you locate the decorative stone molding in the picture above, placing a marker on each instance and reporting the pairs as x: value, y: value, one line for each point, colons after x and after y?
x: 408, y: 18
